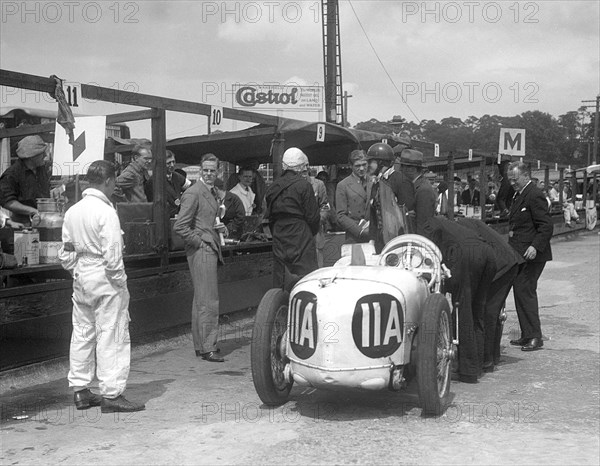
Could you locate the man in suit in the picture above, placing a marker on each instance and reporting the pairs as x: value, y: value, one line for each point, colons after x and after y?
x: 196, y: 225
x: 471, y: 261
x: 471, y: 195
x: 412, y: 162
x: 176, y: 184
x: 352, y: 199
x: 507, y: 266
x: 234, y: 211
x: 530, y: 230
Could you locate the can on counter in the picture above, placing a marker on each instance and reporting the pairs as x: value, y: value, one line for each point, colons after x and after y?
x: 27, y: 247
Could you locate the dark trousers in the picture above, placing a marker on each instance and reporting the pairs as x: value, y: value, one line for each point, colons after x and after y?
x: 497, y: 295
x: 526, y: 300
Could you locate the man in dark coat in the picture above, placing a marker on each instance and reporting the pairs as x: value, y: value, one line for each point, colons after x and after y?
x: 412, y: 163
x: 471, y: 262
x: 507, y: 265
x: 234, y: 211
x: 471, y: 195
x: 294, y: 220
x: 174, y: 187
x: 388, y: 205
x: 530, y: 231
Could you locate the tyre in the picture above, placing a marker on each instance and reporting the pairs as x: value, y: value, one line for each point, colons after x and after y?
x: 434, y: 355
x: 268, y: 348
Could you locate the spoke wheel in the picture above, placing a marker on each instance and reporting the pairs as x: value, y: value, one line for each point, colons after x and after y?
x: 434, y: 355
x: 268, y: 348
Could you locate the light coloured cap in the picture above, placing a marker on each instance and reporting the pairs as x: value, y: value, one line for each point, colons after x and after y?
x: 31, y: 146
x: 294, y: 159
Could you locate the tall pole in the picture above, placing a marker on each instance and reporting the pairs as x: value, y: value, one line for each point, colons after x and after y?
x: 596, y: 123
x: 596, y: 118
x: 345, y: 113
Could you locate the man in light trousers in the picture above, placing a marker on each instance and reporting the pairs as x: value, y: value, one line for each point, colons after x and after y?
x: 92, y: 253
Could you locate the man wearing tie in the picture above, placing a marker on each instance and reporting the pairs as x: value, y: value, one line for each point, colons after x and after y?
x: 352, y: 199
x: 196, y: 225
x: 530, y: 230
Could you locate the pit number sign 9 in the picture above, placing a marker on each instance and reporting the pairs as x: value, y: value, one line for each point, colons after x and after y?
x: 215, y: 118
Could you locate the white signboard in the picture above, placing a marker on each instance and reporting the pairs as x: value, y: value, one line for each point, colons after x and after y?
x: 470, y: 154
x: 216, y: 118
x: 512, y: 142
x: 436, y: 150
x: 279, y: 97
x: 320, y: 132
x: 75, y: 159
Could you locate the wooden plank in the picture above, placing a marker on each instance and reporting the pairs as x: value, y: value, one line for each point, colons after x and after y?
x: 128, y: 116
x: 26, y: 81
x: 159, y: 175
x: 451, y: 186
x: 482, y: 187
x: 27, y: 130
x: 277, y: 150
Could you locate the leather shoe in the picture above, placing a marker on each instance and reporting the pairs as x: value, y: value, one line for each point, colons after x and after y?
x: 533, y: 344
x: 519, y: 342
x: 212, y: 357
x: 467, y: 378
x: 200, y: 353
x: 120, y: 405
x: 85, y: 399
x: 488, y: 367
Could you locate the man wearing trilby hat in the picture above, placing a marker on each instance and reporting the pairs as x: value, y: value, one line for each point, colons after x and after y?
x: 26, y: 180
x: 294, y: 218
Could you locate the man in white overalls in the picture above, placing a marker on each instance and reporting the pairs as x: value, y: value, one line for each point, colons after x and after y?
x: 92, y: 253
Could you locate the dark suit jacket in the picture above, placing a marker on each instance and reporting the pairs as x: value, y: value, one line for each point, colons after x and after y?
x: 466, y: 197
x: 530, y: 223
x: 505, y: 256
x: 352, y: 204
x: 425, y: 198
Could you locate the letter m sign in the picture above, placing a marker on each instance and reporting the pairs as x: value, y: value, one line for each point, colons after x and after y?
x: 512, y: 142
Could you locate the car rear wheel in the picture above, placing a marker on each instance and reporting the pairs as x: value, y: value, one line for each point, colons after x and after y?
x: 268, y: 348
x: 434, y: 355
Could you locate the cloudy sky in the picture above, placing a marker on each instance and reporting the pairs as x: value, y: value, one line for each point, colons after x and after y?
x: 420, y: 60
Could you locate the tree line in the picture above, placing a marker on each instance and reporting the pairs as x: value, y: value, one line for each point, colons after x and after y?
x: 554, y: 140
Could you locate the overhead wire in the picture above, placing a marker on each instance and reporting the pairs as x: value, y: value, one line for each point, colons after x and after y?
x: 381, y: 62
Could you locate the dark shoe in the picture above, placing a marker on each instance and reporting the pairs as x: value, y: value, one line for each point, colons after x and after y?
x: 200, y: 353
x: 519, y: 342
x: 467, y: 378
x: 212, y: 357
x: 488, y: 367
x: 533, y: 344
x: 85, y: 399
x: 120, y: 405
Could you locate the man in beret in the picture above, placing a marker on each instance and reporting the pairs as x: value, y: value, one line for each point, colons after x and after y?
x: 26, y: 180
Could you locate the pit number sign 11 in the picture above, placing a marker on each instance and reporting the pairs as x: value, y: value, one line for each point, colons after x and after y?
x: 215, y: 119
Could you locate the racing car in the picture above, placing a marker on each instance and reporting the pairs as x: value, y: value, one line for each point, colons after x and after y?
x: 370, y: 322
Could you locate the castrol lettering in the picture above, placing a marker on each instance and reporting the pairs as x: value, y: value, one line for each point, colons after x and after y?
x: 248, y: 96
x: 303, y: 324
x: 377, y: 325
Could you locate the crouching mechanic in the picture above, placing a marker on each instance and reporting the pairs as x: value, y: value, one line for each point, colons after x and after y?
x: 92, y: 253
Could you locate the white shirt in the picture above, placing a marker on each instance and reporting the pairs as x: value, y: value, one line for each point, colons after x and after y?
x: 91, y: 229
x: 246, y: 195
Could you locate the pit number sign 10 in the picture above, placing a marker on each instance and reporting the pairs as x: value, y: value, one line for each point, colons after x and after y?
x: 215, y: 119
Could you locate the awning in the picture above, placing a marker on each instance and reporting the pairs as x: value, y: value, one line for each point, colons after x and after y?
x: 255, y: 143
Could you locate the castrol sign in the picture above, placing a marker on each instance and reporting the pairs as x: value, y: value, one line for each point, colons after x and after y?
x: 279, y: 97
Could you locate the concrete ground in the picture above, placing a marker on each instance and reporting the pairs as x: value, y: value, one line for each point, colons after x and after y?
x: 537, y: 408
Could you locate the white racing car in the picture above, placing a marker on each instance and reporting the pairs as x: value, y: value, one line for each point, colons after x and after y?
x: 369, y: 322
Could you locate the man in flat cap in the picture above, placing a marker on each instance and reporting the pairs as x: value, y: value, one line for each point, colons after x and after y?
x: 26, y: 180
x: 413, y: 167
